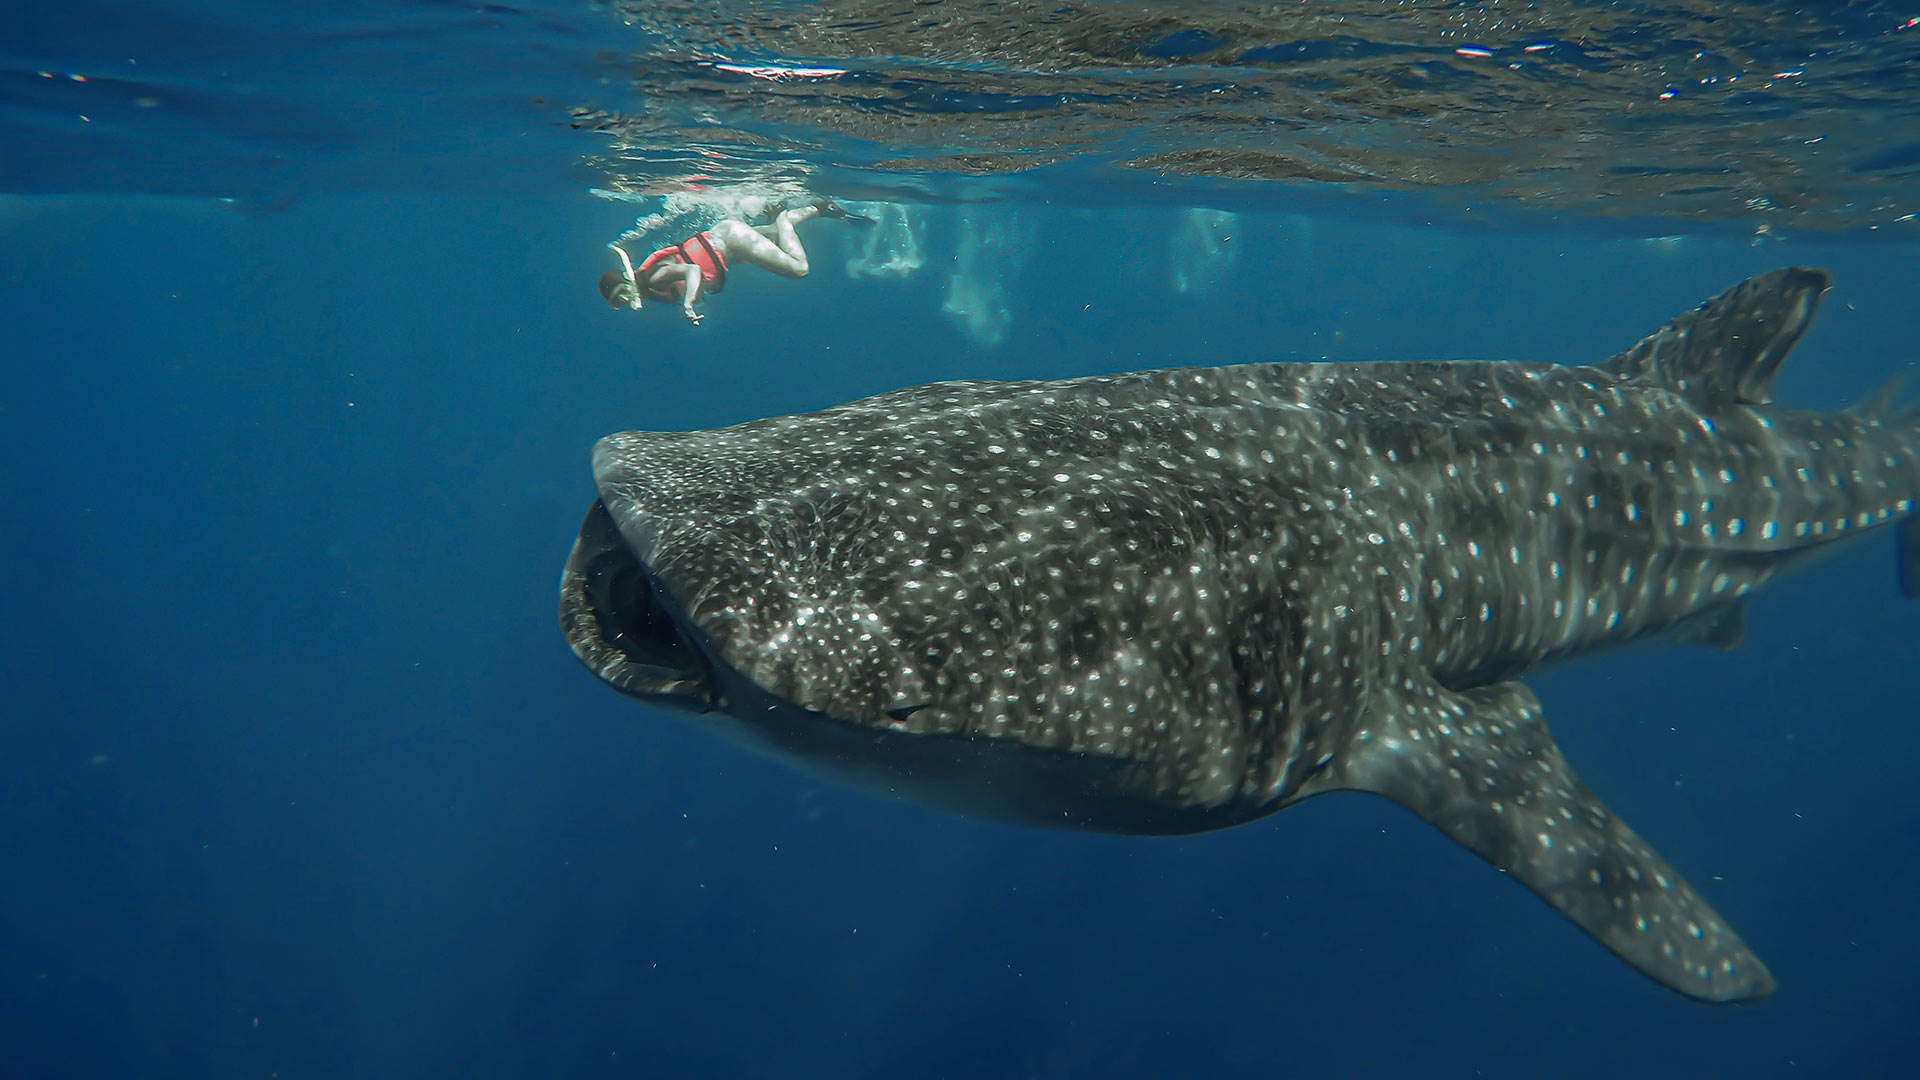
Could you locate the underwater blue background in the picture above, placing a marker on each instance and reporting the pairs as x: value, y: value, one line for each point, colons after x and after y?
x: 302, y: 780
x: 299, y: 778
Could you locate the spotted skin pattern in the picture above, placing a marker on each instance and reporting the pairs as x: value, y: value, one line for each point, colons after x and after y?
x: 1178, y: 600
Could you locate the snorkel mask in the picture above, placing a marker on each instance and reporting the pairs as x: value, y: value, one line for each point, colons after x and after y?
x: 626, y: 271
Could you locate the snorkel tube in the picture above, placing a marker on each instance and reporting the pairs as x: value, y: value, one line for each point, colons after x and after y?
x: 626, y: 271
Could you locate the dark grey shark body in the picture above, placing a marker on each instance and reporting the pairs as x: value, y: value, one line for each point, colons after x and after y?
x: 1178, y: 600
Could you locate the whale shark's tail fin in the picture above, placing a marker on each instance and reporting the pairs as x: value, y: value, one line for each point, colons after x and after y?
x: 1729, y: 349
x: 1480, y: 766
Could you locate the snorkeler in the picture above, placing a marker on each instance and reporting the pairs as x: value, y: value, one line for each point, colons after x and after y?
x: 696, y: 267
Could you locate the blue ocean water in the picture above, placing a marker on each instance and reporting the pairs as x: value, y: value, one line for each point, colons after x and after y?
x: 301, y: 781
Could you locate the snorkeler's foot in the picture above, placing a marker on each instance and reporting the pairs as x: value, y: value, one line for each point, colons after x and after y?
x: 829, y: 208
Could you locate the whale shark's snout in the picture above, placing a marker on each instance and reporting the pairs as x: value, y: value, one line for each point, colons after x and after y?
x: 624, y: 626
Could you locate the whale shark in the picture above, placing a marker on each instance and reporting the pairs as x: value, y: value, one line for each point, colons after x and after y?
x: 1178, y: 600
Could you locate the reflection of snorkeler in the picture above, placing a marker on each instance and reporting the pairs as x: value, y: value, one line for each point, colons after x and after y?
x: 697, y: 266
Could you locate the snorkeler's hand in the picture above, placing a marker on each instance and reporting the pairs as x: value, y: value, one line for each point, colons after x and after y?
x: 693, y: 316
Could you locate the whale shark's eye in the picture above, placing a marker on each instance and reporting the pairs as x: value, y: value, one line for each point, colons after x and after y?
x: 1087, y: 636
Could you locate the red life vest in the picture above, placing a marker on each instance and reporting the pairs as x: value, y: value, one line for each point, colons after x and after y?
x: 695, y: 250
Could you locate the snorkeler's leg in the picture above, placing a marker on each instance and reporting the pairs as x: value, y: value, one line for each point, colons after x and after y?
x: 785, y: 234
x: 780, y: 253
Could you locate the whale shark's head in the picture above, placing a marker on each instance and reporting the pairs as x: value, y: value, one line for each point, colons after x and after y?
x: 977, y: 569
x: 717, y: 567
x: 797, y: 623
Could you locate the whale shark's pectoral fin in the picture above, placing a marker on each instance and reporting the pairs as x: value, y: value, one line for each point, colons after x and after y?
x: 1481, y: 766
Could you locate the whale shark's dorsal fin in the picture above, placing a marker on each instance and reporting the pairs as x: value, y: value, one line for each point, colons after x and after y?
x: 1728, y: 349
x: 1479, y: 765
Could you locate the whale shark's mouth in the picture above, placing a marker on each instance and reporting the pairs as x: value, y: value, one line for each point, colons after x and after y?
x: 624, y: 626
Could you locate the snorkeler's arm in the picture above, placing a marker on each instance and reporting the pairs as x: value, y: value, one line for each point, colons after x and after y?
x: 693, y: 292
